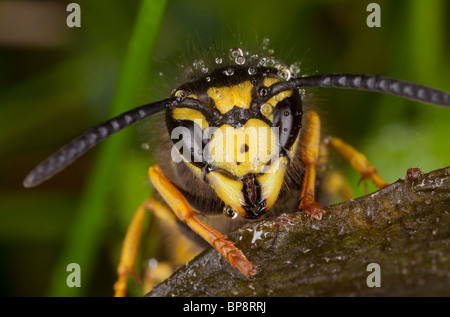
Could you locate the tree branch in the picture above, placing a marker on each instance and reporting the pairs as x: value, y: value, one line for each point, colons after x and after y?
x: 405, y: 228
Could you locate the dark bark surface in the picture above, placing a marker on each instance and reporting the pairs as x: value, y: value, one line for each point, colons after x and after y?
x: 405, y: 228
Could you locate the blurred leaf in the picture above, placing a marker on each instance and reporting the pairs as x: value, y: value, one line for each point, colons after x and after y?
x: 86, y: 234
x: 18, y: 225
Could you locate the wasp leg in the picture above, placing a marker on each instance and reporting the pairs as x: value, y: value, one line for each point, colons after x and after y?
x: 310, y: 155
x: 158, y: 273
x: 184, y: 249
x: 129, y: 250
x: 358, y: 161
x: 184, y: 212
x: 131, y: 245
x: 336, y: 184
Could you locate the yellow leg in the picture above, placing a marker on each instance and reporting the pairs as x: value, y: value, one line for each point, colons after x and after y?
x: 131, y: 245
x: 183, y: 249
x: 358, y: 161
x: 158, y: 273
x: 335, y: 183
x: 129, y: 250
x: 310, y: 155
x: 178, y: 203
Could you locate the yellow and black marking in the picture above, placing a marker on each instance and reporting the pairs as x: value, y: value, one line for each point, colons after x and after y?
x: 234, y: 105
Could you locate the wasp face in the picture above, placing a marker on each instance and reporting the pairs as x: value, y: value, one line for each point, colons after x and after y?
x: 234, y: 137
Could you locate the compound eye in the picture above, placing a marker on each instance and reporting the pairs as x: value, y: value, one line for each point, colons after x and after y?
x: 189, y: 141
x: 287, y: 117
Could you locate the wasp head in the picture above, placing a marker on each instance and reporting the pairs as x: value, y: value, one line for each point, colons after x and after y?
x: 237, y: 137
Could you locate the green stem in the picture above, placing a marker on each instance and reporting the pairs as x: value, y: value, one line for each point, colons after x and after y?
x: 86, y: 236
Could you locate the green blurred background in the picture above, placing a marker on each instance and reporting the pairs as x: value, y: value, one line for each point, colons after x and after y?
x: 56, y: 81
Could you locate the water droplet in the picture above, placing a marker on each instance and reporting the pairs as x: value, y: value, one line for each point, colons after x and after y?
x: 263, y: 91
x: 197, y: 63
x: 266, y: 109
x: 218, y: 60
x: 257, y: 235
x: 265, y: 43
x: 229, y: 71
x: 229, y: 212
x: 208, y: 79
x: 302, y: 92
x: 180, y: 95
x: 240, y: 60
x: 160, y: 74
x: 235, y: 52
x: 152, y: 263
x: 295, y: 68
x: 252, y: 71
x: 271, y: 61
x: 263, y: 61
x: 283, y: 72
x: 204, y: 69
x: 200, y: 65
x: 254, y: 57
x: 279, y: 97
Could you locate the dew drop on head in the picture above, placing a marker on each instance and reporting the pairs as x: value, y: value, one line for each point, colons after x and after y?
x: 263, y: 61
x: 240, y: 60
x: 271, y: 61
x: 265, y: 43
x: 229, y: 71
x: 266, y: 109
x: 252, y: 71
x: 235, y: 52
x: 200, y: 65
x: 204, y: 69
x: 284, y: 74
x: 295, y: 68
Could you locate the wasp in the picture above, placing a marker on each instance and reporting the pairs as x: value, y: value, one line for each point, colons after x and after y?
x: 242, y: 141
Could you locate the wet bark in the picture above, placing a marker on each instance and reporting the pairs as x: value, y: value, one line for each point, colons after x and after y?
x: 404, y: 228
